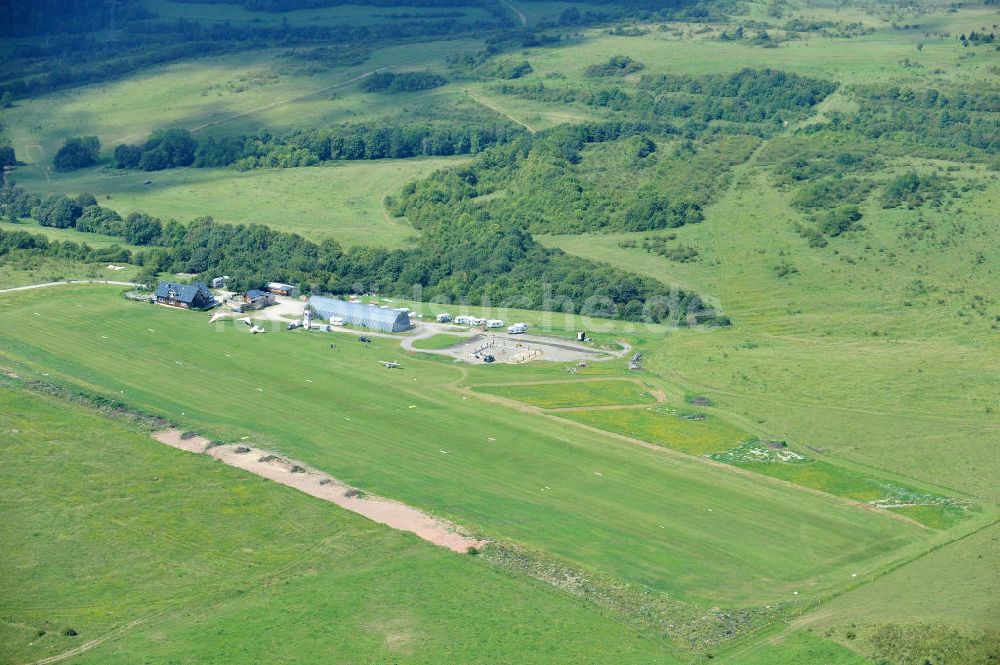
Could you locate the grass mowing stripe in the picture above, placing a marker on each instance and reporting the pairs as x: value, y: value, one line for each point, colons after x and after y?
x: 213, y: 560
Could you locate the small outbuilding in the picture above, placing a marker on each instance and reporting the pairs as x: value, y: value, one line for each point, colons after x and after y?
x: 360, y: 314
x: 252, y: 299
x: 281, y: 289
x: 188, y: 296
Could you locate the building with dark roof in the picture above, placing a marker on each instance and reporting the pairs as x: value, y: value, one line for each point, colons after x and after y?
x: 360, y: 314
x: 188, y: 296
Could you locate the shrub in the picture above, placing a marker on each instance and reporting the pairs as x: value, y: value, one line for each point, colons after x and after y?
x: 58, y: 211
x: 77, y: 153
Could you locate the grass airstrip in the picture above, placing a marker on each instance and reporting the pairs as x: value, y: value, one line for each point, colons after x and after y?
x: 593, y: 501
x: 220, y: 566
x: 880, y: 373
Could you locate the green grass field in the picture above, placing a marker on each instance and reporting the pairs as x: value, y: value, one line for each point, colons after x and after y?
x: 942, y: 605
x: 209, y: 96
x: 105, y: 528
x: 95, y: 240
x: 834, y: 356
x: 573, y: 393
x: 40, y: 270
x: 665, y: 426
x: 438, y: 341
x: 452, y: 456
x: 874, y: 356
x: 343, y: 201
x: 799, y: 647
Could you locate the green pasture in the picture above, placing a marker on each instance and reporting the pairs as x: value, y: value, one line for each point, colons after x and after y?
x: 573, y: 393
x: 953, y: 584
x: 886, y: 55
x: 930, y: 509
x: 664, y: 426
x: 409, y: 435
x: 342, y: 201
x: 224, y: 95
x: 438, y: 341
x: 942, y: 605
x: 796, y: 648
x: 104, y: 527
x: 843, y: 354
x: 41, y: 269
x: 95, y: 240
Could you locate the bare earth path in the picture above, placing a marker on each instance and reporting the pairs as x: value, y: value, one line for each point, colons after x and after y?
x: 494, y: 107
x: 520, y: 15
x: 322, y: 486
x: 69, y: 281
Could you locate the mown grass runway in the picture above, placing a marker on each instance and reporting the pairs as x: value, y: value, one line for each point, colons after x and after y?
x: 409, y: 435
x: 104, y: 528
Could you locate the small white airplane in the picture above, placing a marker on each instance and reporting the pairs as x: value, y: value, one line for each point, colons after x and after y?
x: 390, y: 364
x: 257, y: 329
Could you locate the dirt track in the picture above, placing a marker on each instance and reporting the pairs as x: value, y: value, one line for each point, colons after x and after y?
x: 69, y: 281
x: 322, y: 486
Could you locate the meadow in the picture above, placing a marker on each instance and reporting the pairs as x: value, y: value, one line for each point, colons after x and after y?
x: 95, y: 240
x: 873, y: 355
x: 573, y: 394
x: 221, y: 566
x: 221, y: 96
x: 342, y: 201
x: 665, y: 426
x: 835, y: 355
x: 528, y: 479
x: 438, y: 341
x: 43, y: 270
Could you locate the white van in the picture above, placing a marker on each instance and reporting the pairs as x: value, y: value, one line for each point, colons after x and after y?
x: 517, y: 329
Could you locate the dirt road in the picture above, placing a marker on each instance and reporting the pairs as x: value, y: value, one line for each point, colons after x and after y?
x: 323, y: 486
x: 69, y: 281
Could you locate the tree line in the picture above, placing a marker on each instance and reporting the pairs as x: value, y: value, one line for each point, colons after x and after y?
x: 748, y: 96
x: 177, y: 147
x: 406, y: 82
x: 468, y: 258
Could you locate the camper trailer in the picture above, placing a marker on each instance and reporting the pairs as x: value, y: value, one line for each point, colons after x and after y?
x: 494, y: 323
x: 517, y: 329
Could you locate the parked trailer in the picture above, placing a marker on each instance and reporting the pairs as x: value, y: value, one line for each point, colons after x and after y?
x: 517, y: 329
x: 494, y: 323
